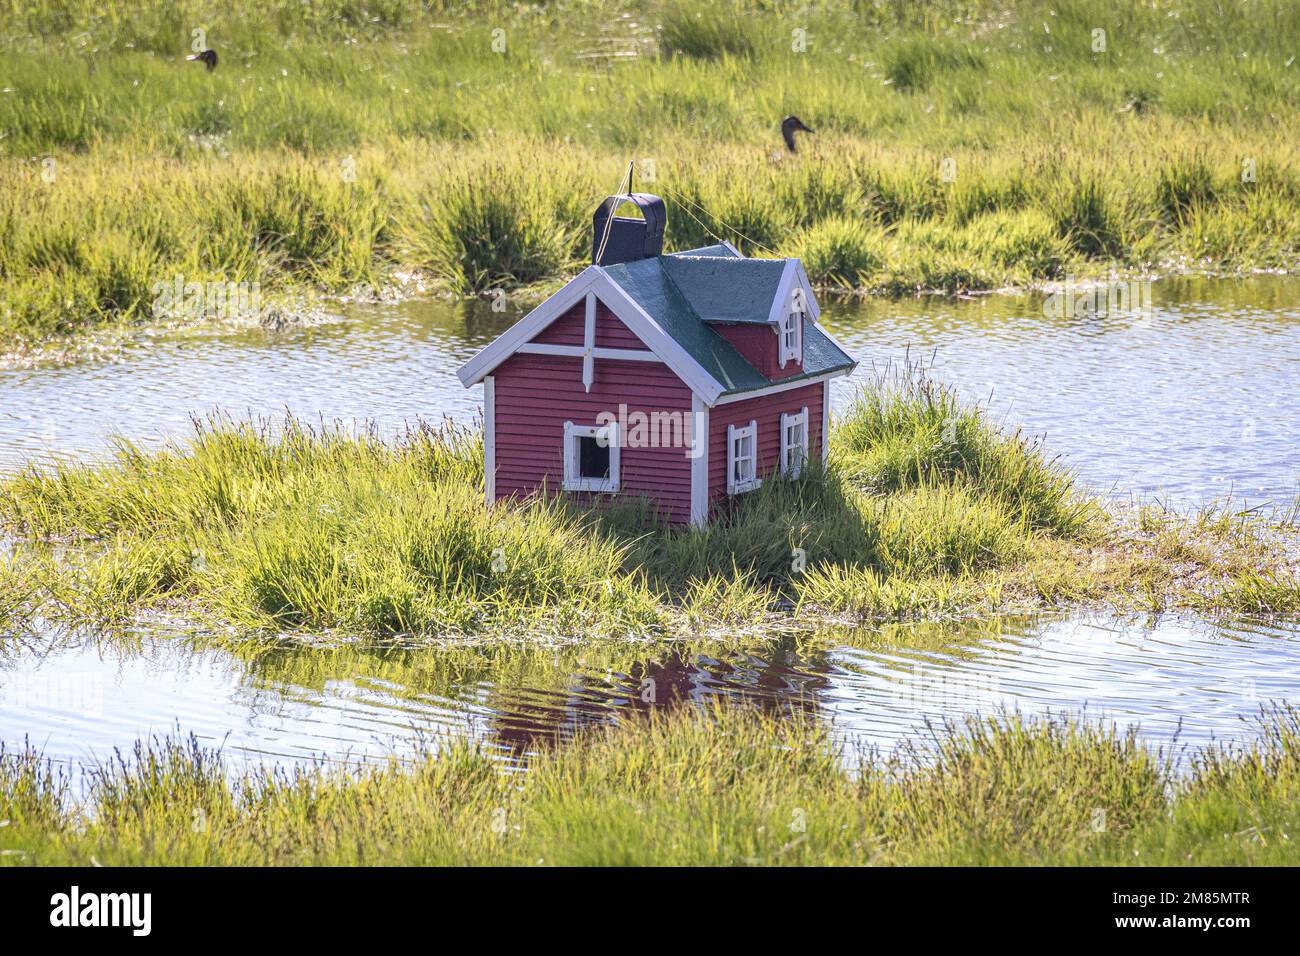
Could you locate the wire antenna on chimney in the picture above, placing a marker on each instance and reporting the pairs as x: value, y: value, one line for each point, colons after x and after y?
x: 624, y: 192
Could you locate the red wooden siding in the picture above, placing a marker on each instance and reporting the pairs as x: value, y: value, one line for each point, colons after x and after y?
x: 760, y: 345
x: 536, y: 394
x: 767, y: 411
x: 567, y: 329
x: 611, y: 333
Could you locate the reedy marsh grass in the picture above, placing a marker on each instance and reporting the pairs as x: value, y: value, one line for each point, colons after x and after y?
x: 481, y: 168
x: 924, y: 509
x: 722, y: 785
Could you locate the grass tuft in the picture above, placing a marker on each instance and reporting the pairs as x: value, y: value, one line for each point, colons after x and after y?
x: 913, y: 64
x: 704, y: 33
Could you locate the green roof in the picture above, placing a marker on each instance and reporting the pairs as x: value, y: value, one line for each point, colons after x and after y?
x: 684, y: 292
x: 727, y: 290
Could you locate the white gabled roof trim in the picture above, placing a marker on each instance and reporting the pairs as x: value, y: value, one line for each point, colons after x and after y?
x: 594, y: 279
x: 508, y: 342
x: 793, y: 275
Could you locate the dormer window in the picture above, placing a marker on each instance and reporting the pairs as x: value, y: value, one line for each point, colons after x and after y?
x: 792, y: 337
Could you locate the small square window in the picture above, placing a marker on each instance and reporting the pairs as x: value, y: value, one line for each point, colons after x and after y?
x: 591, y: 454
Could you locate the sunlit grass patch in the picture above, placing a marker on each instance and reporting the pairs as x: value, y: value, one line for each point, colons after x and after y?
x: 907, y: 430
x: 491, y: 228
x: 1258, y: 591
x: 318, y: 528
x: 841, y: 252
x: 18, y: 591
x: 699, y: 786
x: 865, y: 594
x: 33, y: 794
x: 389, y: 558
x: 914, y: 63
x: 704, y: 32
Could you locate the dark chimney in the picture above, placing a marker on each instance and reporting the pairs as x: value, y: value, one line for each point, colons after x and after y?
x: 629, y: 239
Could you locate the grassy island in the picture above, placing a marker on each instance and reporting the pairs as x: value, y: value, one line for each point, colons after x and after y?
x: 925, y: 509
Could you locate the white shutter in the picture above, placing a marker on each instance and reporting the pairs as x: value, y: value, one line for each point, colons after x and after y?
x: 742, y: 458
x: 794, y: 442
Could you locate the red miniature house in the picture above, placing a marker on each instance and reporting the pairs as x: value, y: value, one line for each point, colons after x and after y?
x: 685, y: 378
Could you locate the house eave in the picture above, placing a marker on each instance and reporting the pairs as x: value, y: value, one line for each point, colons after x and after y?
x: 793, y: 275
x: 783, y: 385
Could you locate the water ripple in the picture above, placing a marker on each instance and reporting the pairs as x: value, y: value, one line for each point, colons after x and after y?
x: 1204, y: 681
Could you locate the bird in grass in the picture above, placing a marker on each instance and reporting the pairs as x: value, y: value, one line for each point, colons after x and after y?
x: 207, y: 56
x: 789, y: 126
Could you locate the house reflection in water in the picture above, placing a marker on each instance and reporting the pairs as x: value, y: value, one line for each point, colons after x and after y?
x: 525, y: 719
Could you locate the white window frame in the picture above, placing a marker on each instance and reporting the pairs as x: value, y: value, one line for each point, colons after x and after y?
x: 573, y: 481
x: 734, y: 436
x: 792, y: 324
x: 789, y: 421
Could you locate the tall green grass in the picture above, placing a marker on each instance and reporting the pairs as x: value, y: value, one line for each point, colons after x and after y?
x: 960, y: 146
x: 916, y: 62
x: 321, y: 529
x: 910, y: 431
x: 725, y: 786
x: 705, y: 32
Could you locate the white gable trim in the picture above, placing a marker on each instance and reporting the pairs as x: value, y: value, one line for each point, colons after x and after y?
x: 649, y: 331
x: 577, y: 351
x: 508, y: 342
x: 595, y: 280
x: 792, y: 277
x: 589, y: 342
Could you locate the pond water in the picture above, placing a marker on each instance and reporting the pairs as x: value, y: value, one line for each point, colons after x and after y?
x: 1183, y: 682
x: 1191, y: 398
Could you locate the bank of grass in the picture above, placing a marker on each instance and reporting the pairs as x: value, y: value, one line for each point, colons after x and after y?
x: 925, y: 509
x: 718, y: 786
x: 959, y: 147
